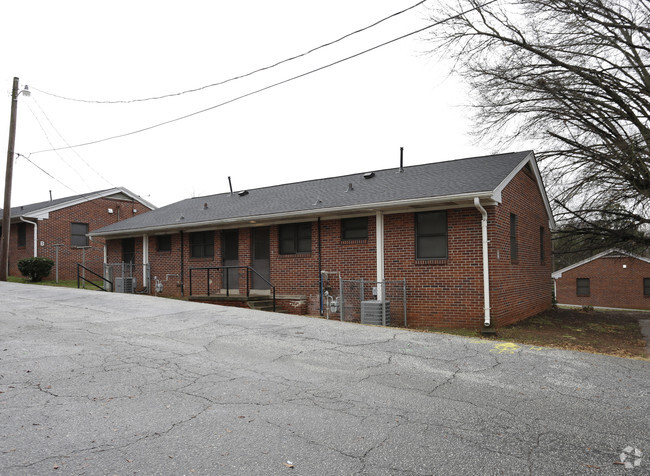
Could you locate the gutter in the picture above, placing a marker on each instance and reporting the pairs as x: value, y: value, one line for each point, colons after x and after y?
x: 486, y: 263
x: 35, y: 234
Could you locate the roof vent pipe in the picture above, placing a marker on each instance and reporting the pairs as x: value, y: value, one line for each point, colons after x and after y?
x: 401, y: 160
x: 230, y: 185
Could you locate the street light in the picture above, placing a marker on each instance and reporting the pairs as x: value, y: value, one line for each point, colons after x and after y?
x: 6, y: 212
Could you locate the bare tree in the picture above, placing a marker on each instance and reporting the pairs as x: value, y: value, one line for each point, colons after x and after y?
x: 571, y: 76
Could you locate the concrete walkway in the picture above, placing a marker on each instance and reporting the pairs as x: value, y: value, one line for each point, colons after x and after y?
x: 98, y: 383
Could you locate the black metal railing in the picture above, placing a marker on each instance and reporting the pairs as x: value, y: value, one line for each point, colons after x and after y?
x: 81, y: 277
x: 226, y: 278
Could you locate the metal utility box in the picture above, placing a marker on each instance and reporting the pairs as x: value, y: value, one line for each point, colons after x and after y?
x: 371, y: 312
x: 125, y: 285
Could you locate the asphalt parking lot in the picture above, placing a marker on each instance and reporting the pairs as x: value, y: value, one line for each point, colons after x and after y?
x: 99, y: 383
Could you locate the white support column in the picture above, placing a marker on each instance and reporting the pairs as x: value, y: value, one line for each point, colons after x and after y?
x: 145, y: 258
x: 380, y: 254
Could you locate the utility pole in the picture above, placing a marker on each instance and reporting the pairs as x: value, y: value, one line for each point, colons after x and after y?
x: 6, y: 212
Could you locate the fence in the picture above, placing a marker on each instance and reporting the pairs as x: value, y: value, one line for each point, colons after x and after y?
x: 358, y: 302
x: 140, y: 272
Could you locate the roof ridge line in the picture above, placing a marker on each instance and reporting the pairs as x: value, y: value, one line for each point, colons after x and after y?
x: 361, y: 173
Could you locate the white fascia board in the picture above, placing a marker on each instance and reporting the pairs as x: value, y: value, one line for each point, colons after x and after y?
x: 529, y: 159
x: 137, y: 198
x: 397, y: 206
x: 558, y: 274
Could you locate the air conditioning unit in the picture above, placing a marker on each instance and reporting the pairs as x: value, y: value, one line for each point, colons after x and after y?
x: 371, y: 312
x: 125, y: 285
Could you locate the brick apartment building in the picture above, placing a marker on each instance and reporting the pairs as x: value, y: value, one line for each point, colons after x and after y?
x: 420, y: 225
x: 38, y: 227
x: 613, y: 278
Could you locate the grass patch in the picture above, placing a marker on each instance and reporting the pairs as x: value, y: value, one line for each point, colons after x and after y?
x: 606, y: 332
x: 63, y: 283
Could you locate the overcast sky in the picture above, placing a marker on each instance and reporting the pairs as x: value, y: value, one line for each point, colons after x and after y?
x: 351, y: 117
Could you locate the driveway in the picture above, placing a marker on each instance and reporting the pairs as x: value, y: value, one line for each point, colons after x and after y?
x: 98, y: 383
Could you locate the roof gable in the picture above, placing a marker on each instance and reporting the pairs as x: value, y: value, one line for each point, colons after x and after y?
x: 610, y: 253
x: 43, y: 209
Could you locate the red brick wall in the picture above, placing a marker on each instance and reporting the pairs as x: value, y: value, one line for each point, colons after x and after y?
x: 439, y: 292
x: 17, y: 253
x: 165, y: 265
x: 611, y: 284
x: 522, y: 288
x: 57, y: 230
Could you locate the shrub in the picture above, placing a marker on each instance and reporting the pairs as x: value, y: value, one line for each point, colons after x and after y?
x: 35, y: 268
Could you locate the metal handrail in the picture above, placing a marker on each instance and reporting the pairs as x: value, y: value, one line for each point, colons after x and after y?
x: 79, y: 277
x: 247, y: 268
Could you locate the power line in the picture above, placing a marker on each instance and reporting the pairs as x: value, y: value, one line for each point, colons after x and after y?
x: 88, y: 197
x: 47, y: 137
x: 264, y: 68
x: 68, y: 144
x: 271, y: 86
x: 46, y: 172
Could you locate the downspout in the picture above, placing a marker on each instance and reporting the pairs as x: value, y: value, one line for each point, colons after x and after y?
x: 486, y: 263
x: 379, y: 232
x: 35, y: 234
x: 320, y: 269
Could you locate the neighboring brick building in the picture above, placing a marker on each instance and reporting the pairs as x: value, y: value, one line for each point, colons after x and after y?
x: 613, y: 278
x: 429, y: 219
x: 66, y: 221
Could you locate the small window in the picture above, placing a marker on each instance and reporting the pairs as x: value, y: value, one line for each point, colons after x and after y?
x: 202, y: 244
x: 646, y: 287
x: 431, y: 235
x: 541, y: 244
x: 22, y: 235
x: 354, y: 228
x: 79, y: 232
x: 295, y: 238
x: 514, y: 246
x: 582, y: 287
x: 164, y: 243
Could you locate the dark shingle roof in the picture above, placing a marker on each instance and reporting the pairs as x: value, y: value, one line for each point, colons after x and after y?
x: 440, y: 179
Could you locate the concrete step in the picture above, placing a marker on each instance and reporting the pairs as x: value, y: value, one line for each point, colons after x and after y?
x: 261, y: 305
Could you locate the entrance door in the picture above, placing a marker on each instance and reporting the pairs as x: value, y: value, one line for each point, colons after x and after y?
x: 231, y: 258
x: 128, y: 250
x: 261, y: 258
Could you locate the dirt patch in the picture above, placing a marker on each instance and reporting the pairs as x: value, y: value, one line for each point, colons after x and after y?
x: 616, y: 333
x: 604, y: 332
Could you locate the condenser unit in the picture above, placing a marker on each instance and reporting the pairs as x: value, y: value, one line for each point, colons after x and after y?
x: 125, y: 285
x: 371, y: 312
